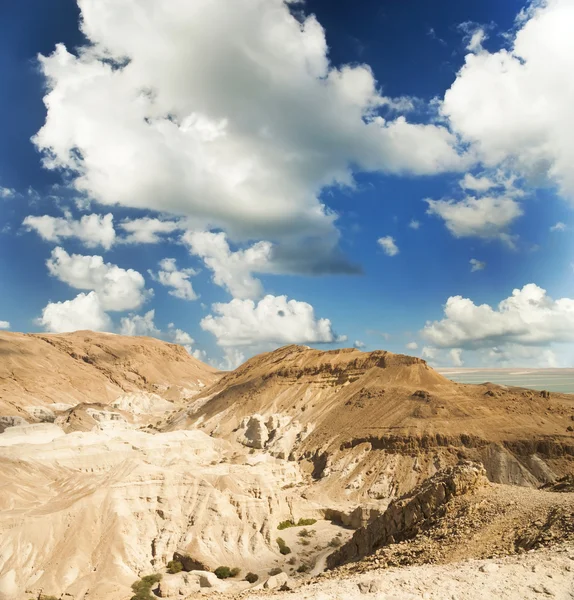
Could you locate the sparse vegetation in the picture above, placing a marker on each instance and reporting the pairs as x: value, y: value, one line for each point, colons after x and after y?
x: 304, y: 533
x: 299, y: 523
x: 142, y: 588
x: 226, y: 572
x: 275, y: 571
x: 303, y: 568
x: 305, y: 543
x: 335, y: 542
x: 174, y: 566
x: 292, y: 561
x: 283, y: 547
x: 251, y: 577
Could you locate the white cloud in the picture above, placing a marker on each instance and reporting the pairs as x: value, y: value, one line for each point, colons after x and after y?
x: 273, y: 320
x: 183, y: 338
x: 117, y: 289
x: 455, y: 355
x: 140, y: 325
x: 240, y: 124
x: 476, y: 265
x: 528, y: 317
x: 176, y: 279
x: 7, y: 192
x: 231, y: 270
x: 488, y: 217
x: 4, y: 324
x: 412, y: 346
x: 559, y: 227
x: 428, y: 352
x: 147, y: 230
x: 359, y: 345
x: 414, y: 224
x: 513, y: 106
x: 83, y: 312
x: 477, y: 184
x: 92, y: 230
x: 387, y: 243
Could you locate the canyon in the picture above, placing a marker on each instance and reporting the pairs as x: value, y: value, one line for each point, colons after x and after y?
x: 120, y: 454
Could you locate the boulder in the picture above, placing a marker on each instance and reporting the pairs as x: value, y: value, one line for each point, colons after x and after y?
x: 180, y: 584
x: 276, y: 581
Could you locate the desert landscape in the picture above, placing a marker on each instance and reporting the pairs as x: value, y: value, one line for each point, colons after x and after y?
x: 324, y: 474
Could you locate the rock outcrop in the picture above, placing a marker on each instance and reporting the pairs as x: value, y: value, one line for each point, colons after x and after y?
x: 407, y: 515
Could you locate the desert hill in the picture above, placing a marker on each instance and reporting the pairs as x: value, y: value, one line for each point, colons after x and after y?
x: 370, y: 416
x: 42, y: 375
x: 120, y: 454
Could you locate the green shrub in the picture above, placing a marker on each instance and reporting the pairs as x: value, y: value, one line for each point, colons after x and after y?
x: 283, y: 547
x: 305, y: 533
x: 174, y: 566
x: 275, y: 571
x: 335, y: 542
x: 222, y: 572
x: 303, y: 568
x: 251, y: 577
x: 142, y: 588
x: 306, y: 522
x: 305, y: 543
x: 235, y: 571
x: 300, y: 523
x: 286, y: 525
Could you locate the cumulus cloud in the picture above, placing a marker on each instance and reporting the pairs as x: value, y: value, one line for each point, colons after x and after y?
x: 412, y: 346
x: 92, y: 230
x: 476, y: 265
x: 414, y: 224
x: 273, y: 320
x: 176, y: 279
x: 85, y: 311
x: 140, y: 325
x: 239, y: 125
x: 359, y: 345
x: 231, y: 270
x: 513, y: 107
x: 528, y: 317
x: 117, y: 289
x: 388, y: 245
x: 147, y: 230
x: 4, y: 324
x: 487, y: 217
x: 476, y: 184
x: 455, y: 355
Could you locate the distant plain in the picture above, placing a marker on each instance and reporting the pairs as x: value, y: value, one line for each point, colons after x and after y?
x: 553, y: 380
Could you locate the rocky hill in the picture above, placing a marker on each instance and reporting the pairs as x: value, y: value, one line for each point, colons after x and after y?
x: 381, y: 423
x: 120, y: 455
x: 44, y: 375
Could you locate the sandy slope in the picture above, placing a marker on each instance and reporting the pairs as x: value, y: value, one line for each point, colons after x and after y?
x: 44, y: 374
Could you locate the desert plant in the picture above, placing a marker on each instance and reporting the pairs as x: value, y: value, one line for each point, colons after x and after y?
x: 283, y: 547
x: 174, y: 566
x: 306, y: 522
x: 286, y: 525
x: 303, y: 568
x: 335, y: 542
x: 222, y: 572
x: 275, y: 571
x: 305, y: 543
x: 142, y: 588
x: 251, y: 577
x: 305, y: 533
x: 235, y: 572
x: 292, y: 561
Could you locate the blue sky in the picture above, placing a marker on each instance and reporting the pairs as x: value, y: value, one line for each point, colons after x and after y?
x: 320, y: 173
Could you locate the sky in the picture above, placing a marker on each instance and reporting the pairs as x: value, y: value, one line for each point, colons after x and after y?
x: 235, y: 177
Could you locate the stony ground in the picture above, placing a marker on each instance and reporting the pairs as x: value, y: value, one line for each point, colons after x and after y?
x: 535, y: 575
